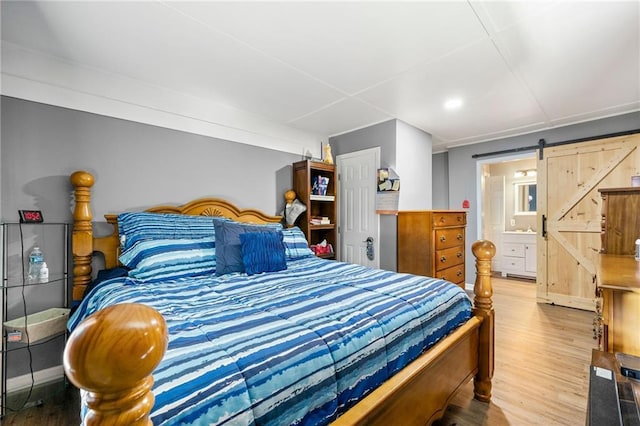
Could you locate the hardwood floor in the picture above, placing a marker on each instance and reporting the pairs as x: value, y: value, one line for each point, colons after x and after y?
x: 59, y: 406
x: 542, y: 357
x: 541, y: 370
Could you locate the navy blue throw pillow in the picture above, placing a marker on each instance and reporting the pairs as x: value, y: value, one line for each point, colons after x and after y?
x: 263, y: 252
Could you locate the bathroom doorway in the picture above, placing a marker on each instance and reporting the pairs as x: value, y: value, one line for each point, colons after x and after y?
x: 508, y: 199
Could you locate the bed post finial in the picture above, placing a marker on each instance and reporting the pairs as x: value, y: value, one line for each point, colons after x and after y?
x: 484, y: 251
x: 82, y: 234
x: 111, y: 354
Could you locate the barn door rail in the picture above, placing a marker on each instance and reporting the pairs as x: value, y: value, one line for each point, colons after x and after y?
x: 542, y: 144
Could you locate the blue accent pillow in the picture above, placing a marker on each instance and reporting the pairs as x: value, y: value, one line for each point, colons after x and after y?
x: 141, y: 226
x: 162, y: 260
x: 228, y: 246
x: 295, y: 244
x: 262, y: 252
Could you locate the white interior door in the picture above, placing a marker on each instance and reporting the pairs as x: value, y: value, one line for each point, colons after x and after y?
x: 494, y: 213
x: 358, y: 220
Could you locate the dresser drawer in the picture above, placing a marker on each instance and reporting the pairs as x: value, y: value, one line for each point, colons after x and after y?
x: 449, y: 219
x: 449, y: 257
x: 513, y: 249
x: 446, y: 238
x: 455, y: 274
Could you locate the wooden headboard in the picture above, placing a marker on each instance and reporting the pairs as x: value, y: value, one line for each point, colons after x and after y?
x: 84, y: 244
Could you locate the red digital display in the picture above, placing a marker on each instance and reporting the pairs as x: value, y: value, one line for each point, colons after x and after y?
x: 30, y: 216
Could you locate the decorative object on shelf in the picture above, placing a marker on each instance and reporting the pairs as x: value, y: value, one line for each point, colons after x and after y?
x: 320, y: 184
x: 30, y: 216
x: 328, y: 157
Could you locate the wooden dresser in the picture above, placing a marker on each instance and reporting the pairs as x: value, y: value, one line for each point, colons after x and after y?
x: 618, y: 284
x: 620, y: 220
x: 618, y: 273
x: 432, y: 243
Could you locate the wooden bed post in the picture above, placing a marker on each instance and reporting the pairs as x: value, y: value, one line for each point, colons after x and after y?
x: 111, y: 354
x: 82, y: 235
x: 483, y: 307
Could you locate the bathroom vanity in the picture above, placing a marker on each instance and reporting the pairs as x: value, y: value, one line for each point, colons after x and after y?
x: 519, y: 254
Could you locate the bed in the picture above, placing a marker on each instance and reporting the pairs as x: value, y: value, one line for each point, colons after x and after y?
x: 315, y: 342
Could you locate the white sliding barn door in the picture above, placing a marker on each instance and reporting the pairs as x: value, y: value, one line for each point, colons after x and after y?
x: 569, y: 177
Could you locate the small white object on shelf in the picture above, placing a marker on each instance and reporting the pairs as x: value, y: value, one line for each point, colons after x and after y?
x: 40, y: 324
x: 44, y: 273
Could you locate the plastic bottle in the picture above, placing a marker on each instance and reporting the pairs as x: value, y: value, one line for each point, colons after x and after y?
x: 638, y: 249
x: 36, y: 258
x: 44, y: 273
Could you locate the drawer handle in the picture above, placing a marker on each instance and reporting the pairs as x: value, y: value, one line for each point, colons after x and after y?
x: 459, y: 273
x: 443, y: 259
x: 442, y: 219
x: 459, y: 254
x: 443, y: 238
x: 459, y: 237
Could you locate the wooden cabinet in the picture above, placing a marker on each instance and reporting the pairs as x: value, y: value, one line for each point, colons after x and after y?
x: 432, y: 243
x: 618, y: 314
x: 305, y: 175
x: 519, y: 254
x: 617, y: 274
x: 620, y: 220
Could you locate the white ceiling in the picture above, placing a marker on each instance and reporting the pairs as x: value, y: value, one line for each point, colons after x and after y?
x: 331, y: 67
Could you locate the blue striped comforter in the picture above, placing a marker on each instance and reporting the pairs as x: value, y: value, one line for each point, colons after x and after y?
x: 300, y: 346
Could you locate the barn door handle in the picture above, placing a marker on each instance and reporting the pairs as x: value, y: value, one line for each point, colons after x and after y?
x: 544, y: 226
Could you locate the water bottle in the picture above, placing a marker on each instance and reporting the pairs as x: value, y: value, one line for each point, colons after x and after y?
x: 36, y: 259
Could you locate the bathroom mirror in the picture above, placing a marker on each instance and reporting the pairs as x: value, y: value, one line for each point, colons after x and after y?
x: 526, y: 198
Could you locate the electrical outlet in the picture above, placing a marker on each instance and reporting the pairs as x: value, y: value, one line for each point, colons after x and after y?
x: 513, y: 222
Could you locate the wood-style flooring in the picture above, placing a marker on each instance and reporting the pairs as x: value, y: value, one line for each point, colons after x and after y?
x: 542, y: 358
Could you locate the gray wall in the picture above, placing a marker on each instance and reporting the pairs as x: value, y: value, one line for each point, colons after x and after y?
x: 384, y: 136
x: 463, y: 175
x: 440, y: 180
x: 407, y: 150
x: 135, y: 166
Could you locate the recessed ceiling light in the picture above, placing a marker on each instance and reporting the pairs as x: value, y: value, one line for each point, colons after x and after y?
x: 453, y: 103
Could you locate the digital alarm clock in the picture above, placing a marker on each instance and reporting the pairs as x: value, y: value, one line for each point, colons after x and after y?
x: 30, y: 216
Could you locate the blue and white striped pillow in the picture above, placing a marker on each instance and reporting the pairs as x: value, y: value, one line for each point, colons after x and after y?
x: 295, y: 243
x: 169, y: 259
x: 142, y: 226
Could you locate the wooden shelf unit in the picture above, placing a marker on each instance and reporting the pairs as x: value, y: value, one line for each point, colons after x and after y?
x: 304, y: 173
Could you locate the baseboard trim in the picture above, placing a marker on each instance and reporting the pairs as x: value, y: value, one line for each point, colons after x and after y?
x: 40, y: 377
